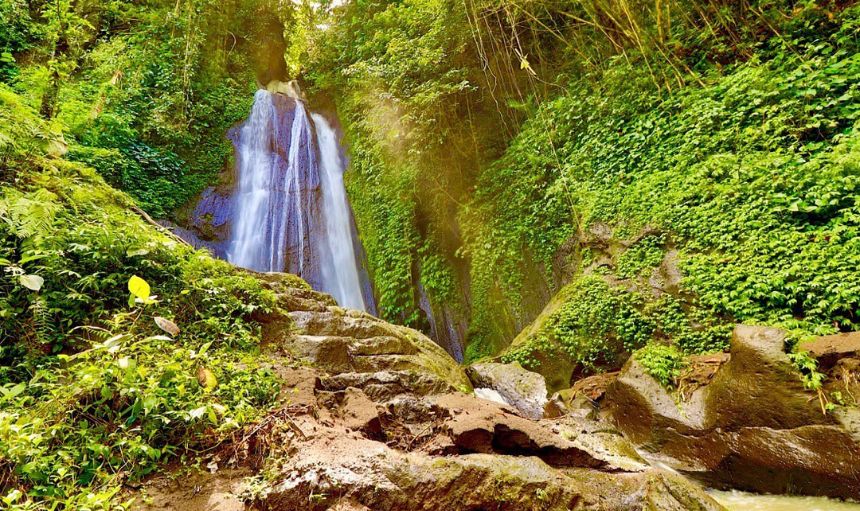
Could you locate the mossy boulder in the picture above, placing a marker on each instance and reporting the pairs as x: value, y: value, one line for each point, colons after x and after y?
x: 355, y: 347
x: 753, y: 426
x: 541, y: 356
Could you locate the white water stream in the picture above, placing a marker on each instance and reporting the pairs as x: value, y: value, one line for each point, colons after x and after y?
x: 341, y: 277
x: 290, y: 211
x: 257, y: 235
x: 742, y: 501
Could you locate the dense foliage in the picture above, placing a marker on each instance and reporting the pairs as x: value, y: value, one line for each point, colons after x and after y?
x: 754, y: 177
x: 97, y: 389
x: 654, y: 171
x: 146, y: 89
x: 719, y: 137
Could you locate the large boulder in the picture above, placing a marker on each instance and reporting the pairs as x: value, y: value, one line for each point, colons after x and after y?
x: 353, y: 347
x: 753, y: 426
x: 375, y: 477
x: 556, y: 370
x: 477, y: 426
x: 524, y: 390
x: 457, y: 452
x: 760, y: 386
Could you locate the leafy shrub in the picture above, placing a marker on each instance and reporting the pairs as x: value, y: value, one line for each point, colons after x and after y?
x: 155, y: 178
x: 753, y: 175
x: 693, y: 329
x: 593, y: 327
x: 663, y: 362
x: 646, y: 253
x: 92, y: 391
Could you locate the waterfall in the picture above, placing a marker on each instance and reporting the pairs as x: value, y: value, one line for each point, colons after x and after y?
x: 248, y: 246
x: 340, y: 278
x: 289, y: 210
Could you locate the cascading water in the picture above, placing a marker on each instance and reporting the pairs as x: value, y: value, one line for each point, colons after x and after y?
x: 289, y: 211
x: 268, y: 204
x: 341, y: 278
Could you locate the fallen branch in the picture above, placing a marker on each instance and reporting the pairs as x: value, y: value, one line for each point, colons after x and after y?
x: 148, y: 219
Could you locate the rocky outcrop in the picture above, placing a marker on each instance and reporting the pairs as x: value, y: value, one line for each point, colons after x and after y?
x: 556, y: 370
x: 543, y: 345
x: 476, y: 426
x: 524, y: 390
x: 582, y: 399
x: 354, y: 348
x: 329, y: 450
x: 372, y: 476
x: 377, y: 417
x: 291, y: 89
x: 752, y: 426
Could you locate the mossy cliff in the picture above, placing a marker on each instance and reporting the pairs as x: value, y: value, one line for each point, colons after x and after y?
x: 704, y: 172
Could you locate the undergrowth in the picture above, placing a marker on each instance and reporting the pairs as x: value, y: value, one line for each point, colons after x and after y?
x: 97, y: 390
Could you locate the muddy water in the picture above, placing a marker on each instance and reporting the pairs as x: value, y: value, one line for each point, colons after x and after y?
x: 741, y: 501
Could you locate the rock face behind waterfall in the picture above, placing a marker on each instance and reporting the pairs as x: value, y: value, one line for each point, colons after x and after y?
x: 276, y: 158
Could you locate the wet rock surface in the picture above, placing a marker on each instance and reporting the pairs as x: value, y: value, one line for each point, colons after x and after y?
x: 524, y: 390
x: 341, y: 450
x: 829, y: 350
x: 374, y: 416
x: 750, y: 425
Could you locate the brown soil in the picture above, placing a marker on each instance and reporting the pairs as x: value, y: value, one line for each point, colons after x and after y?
x: 195, y: 491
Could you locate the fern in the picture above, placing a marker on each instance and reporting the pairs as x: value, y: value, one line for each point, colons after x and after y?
x: 41, y: 326
x: 29, y: 215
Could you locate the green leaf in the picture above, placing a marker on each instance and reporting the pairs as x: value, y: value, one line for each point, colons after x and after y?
x: 114, y: 344
x: 31, y: 258
x: 157, y: 338
x: 203, y: 349
x: 12, y: 392
x: 12, y: 497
